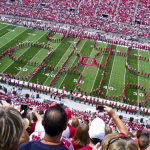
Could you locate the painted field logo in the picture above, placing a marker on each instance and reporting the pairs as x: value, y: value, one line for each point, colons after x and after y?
x: 10, y: 30
x: 92, y: 61
x: 31, y: 34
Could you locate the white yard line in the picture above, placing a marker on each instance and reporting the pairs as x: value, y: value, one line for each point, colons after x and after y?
x: 12, y: 38
x: 19, y: 56
x: 149, y: 59
x: 96, y: 73
x: 8, y: 33
x: 124, y: 78
x: 30, y: 61
x: 88, y: 60
x: 65, y: 53
x: 3, y: 27
x: 98, y: 68
x: 85, y: 66
x: 111, y: 73
x: 138, y: 80
x: 80, y: 50
x: 58, y: 62
x: 13, y: 25
x: 67, y: 73
x: 16, y: 60
x: 52, y: 52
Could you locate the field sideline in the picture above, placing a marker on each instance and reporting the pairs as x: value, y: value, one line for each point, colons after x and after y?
x: 115, y: 75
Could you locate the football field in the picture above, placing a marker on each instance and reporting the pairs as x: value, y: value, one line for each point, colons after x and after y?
x: 115, y: 79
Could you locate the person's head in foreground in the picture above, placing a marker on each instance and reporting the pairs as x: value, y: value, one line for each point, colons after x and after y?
x: 143, y: 142
x: 97, y: 131
x: 116, y: 141
x: 11, y: 128
x: 55, y: 120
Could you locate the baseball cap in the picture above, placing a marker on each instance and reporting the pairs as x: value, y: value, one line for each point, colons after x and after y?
x: 53, y: 104
x: 68, y: 112
x: 97, y: 129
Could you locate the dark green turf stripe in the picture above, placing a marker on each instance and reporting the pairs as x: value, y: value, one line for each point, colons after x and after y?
x: 6, y: 30
x: 52, y: 60
x: 107, y: 74
x: 130, y: 77
x: 16, y: 40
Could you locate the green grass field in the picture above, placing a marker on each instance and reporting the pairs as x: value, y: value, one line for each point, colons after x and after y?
x: 115, y: 75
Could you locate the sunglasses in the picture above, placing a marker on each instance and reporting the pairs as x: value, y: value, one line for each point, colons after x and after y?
x: 115, y: 139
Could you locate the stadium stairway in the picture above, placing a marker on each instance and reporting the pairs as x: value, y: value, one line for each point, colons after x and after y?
x: 136, y: 6
x: 116, y: 10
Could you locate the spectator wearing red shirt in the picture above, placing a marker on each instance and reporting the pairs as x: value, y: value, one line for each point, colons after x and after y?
x: 33, y: 123
x: 70, y: 131
x: 81, y: 137
x: 96, y: 133
x: 97, y: 129
x: 137, y: 135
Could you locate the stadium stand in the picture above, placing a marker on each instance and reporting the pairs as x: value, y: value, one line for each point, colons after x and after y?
x: 125, y: 11
x: 142, y: 13
x: 87, y: 117
x: 123, y: 17
x: 107, y: 8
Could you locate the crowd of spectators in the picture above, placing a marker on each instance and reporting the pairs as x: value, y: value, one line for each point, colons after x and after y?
x: 50, y: 125
x: 113, y: 16
x: 107, y: 7
x: 143, y: 12
x: 125, y: 11
x: 53, y: 126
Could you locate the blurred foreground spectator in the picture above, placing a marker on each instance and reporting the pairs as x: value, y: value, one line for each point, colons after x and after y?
x: 55, y: 120
x: 116, y: 141
x: 12, y: 128
x: 143, y: 143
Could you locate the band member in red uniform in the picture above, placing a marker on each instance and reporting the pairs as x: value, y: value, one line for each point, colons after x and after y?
x: 142, y: 73
x: 145, y: 74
